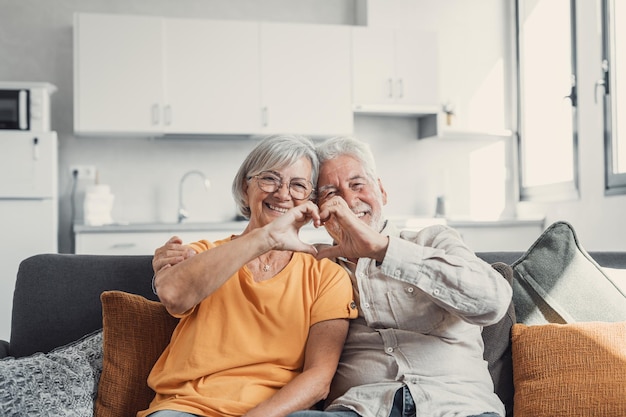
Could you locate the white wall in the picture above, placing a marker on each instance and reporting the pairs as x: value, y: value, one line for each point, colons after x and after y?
x: 36, y: 44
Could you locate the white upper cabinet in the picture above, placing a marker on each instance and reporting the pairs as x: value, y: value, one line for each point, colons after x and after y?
x: 118, y: 74
x: 306, y: 79
x: 212, y: 77
x: 394, y: 71
x: 150, y: 75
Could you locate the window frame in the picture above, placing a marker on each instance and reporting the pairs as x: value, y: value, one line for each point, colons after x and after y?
x: 567, y: 190
x: 615, y: 183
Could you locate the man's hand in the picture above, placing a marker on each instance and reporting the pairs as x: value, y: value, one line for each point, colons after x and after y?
x: 170, y: 254
x: 353, y: 238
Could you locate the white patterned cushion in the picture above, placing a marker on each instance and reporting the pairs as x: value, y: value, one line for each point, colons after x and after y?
x: 63, y: 382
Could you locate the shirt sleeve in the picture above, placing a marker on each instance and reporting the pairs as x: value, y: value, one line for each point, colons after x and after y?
x: 437, y: 261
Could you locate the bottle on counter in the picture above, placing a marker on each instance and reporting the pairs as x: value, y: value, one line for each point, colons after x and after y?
x: 98, y: 205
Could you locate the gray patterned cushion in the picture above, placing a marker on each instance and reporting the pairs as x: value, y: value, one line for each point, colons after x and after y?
x: 63, y: 382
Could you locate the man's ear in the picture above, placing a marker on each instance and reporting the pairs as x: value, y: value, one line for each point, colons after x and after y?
x: 383, y: 192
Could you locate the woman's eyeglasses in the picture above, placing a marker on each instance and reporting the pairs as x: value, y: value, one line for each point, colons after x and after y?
x: 299, y: 188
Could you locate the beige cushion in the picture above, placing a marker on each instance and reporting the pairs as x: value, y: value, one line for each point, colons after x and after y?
x: 556, y: 281
x: 135, y: 333
x: 570, y: 370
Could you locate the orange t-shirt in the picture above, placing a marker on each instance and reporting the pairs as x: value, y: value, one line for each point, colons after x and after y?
x: 245, y: 341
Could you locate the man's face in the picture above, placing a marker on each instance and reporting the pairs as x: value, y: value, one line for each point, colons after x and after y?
x: 345, y: 177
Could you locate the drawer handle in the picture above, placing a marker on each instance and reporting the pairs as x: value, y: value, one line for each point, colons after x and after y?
x: 123, y: 245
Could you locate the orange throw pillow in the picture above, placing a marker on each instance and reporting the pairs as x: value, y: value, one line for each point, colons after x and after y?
x: 135, y: 333
x: 576, y: 369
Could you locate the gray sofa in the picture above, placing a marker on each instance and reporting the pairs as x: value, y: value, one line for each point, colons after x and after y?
x: 57, y: 297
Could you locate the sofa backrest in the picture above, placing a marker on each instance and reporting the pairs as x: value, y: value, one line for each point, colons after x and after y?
x: 57, y: 296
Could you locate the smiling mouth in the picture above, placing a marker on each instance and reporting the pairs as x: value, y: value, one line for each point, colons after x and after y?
x: 278, y: 209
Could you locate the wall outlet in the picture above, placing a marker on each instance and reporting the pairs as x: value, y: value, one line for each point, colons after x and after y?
x: 83, y: 172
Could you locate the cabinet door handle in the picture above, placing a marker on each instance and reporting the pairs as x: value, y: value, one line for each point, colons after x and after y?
x: 167, y: 115
x: 155, y: 114
x: 123, y: 245
x: 400, y: 88
x: 390, y: 87
x: 35, y: 149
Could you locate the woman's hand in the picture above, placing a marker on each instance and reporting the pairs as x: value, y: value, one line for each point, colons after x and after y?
x: 283, y: 231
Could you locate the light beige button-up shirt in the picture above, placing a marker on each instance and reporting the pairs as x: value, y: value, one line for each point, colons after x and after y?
x: 421, y: 313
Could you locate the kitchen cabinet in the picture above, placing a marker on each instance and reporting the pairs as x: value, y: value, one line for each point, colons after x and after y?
x: 212, y: 77
x: 306, y: 79
x: 144, y: 238
x: 499, y: 235
x: 134, y: 243
x: 152, y: 75
x: 394, y: 71
x: 118, y: 74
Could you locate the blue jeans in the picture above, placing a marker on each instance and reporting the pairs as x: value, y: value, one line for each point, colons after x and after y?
x: 403, y: 406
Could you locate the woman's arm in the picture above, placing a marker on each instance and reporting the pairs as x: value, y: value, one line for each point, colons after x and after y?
x: 322, y: 354
x: 183, y: 285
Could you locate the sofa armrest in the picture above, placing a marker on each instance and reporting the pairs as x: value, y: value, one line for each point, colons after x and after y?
x: 4, y: 349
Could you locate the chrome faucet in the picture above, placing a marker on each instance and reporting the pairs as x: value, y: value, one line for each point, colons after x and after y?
x: 182, y: 211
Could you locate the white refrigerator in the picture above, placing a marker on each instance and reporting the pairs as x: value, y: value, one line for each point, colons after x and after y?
x: 28, y: 207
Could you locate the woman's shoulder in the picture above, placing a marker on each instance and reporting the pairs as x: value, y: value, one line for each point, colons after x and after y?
x: 323, y: 266
x: 203, y: 245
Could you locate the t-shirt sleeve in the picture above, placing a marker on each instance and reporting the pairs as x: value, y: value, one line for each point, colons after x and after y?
x: 201, y: 245
x: 335, y: 299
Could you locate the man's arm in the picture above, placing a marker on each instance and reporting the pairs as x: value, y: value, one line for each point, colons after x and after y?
x: 437, y: 261
x: 171, y: 253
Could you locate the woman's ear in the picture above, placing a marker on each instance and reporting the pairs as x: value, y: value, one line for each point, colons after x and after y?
x: 245, y: 187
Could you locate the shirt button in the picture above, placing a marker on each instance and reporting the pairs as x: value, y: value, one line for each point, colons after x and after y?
x: 436, y: 291
x: 397, y: 272
x: 410, y: 289
x: 389, y: 350
x: 352, y: 305
x: 366, y: 305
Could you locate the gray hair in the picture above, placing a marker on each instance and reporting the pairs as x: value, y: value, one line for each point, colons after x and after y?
x: 346, y: 145
x: 273, y: 152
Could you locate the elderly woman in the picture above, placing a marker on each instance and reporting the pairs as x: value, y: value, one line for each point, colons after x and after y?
x: 262, y: 321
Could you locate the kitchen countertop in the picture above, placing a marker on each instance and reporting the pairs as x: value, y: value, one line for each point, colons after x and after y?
x: 468, y: 222
x: 161, y: 227
x: 230, y: 225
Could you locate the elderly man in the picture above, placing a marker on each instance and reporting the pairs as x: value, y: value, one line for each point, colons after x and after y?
x: 416, y: 347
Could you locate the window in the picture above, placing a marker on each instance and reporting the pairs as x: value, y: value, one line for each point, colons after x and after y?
x: 547, y: 100
x: 614, y: 61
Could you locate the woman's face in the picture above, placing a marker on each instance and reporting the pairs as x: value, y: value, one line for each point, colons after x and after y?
x: 266, y: 206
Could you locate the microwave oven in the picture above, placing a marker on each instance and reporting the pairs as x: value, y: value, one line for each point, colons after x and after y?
x: 25, y: 106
